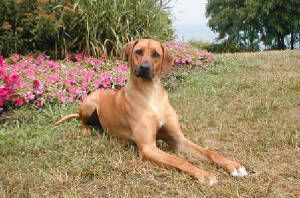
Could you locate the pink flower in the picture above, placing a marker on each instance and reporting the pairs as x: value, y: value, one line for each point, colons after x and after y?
x: 121, y: 79
x: 36, y: 84
x: 29, y: 96
x: 79, y: 57
x: 183, y: 61
x: 40, y: 59
x: 63, y: 98
x: 106, y: 80
x: 71, y: 81
x: 120, y: 67
x: 1, y: 72
x: 3, y: 93
x: 96, y: 83
x: 15, y: 57
x: 95, y: 62
x: 14, y: 79
x: 177, y: 60
x: 1, y: 102
x: 20, y: 102
x: 2, y: 61
x: 53, y: 65
x: 39, y: 103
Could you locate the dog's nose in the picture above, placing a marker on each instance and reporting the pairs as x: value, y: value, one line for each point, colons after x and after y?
x: 144, y: 71
x: 145, y: 66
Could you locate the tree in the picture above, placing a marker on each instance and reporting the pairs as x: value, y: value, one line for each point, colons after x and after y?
x: 279, y: 19
x: 247, y: 23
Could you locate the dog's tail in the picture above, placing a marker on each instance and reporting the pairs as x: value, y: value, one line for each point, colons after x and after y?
x: 68, y: 117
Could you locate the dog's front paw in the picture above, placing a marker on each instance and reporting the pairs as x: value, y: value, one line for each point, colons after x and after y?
x: 207, y: 178
x: 239, y: 172
x: 235, y: 169
x: 213, y: 181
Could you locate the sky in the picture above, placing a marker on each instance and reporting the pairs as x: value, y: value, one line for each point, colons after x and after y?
x: 189, y: 20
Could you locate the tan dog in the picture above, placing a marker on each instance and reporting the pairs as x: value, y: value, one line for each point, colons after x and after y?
x: 141, y: 112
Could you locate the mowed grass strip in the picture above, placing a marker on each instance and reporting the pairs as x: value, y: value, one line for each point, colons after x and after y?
x: 246, y: 106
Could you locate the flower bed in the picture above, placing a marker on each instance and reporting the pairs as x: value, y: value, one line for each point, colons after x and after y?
x: 185, y: 54
x: 36, y: 79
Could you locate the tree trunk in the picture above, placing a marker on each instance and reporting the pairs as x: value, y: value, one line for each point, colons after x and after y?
x: 280, y: 42
x: 292, y: 40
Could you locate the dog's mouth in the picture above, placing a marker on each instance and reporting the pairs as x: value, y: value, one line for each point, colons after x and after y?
x: 144, y: 73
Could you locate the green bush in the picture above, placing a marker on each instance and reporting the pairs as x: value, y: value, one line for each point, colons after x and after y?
x: 221, y: 47
x: 200, y: 44
x: 111, y: 23
x: 90, y: 26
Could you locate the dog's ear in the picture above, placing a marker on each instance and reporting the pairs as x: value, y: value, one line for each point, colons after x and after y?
x: 128, y: 47
x: 167, y: 60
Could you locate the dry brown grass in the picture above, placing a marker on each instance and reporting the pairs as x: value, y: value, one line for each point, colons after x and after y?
x: 247, y: 107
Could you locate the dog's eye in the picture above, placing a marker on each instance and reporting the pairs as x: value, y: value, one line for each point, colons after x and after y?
x: 155, y: 54
x: 139, y: 52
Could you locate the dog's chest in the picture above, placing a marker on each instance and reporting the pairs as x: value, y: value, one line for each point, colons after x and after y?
x: 156, y: 108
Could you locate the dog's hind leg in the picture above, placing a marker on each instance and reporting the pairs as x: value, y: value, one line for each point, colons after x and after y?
x: 88, y: 113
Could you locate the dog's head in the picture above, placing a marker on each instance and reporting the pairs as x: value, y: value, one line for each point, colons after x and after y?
x: 147, y: 58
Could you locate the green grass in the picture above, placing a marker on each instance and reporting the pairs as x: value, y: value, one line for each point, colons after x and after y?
x: 246, y: 106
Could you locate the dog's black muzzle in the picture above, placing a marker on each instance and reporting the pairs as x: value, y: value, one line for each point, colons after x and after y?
x: 144, y: 71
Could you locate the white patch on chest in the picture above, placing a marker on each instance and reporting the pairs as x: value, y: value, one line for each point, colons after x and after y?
x: 154, y: 105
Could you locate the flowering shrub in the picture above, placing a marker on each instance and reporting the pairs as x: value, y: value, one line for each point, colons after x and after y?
x: 29, y: 79
x: 34, y: 79
x: 186, y: 54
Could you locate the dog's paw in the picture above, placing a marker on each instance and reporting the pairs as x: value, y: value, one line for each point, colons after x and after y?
x: 239, y: 172
x: 212, y: 181
x: 207, y: 178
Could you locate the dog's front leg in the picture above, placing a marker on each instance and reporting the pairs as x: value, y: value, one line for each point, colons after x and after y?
x: 147, y: 149
x: 173, y: 132
x: 164, y: 159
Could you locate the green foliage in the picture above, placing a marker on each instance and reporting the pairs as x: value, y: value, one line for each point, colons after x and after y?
x: 38, y: 26
x: 224, y: 46
x: 201, y: 44
x: 246, y: 23
x: 109, y: 24
x: 93, y: 27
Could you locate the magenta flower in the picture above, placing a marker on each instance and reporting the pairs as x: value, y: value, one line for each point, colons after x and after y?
x: 3, y: 93
x: 37, y: 79
x: 186, y: 54
x: 71, y: 81
x: 15, y: 57
x: 2, y: 61
x: 106, y: 79
x: 97, y: 83
x: 79, y: 57
x: 14, y: 79
x: 36, y: 84
x: 121, y: 79
x: 20, y: 102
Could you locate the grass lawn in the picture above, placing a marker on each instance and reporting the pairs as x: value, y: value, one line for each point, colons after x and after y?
x: 246, y: 106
